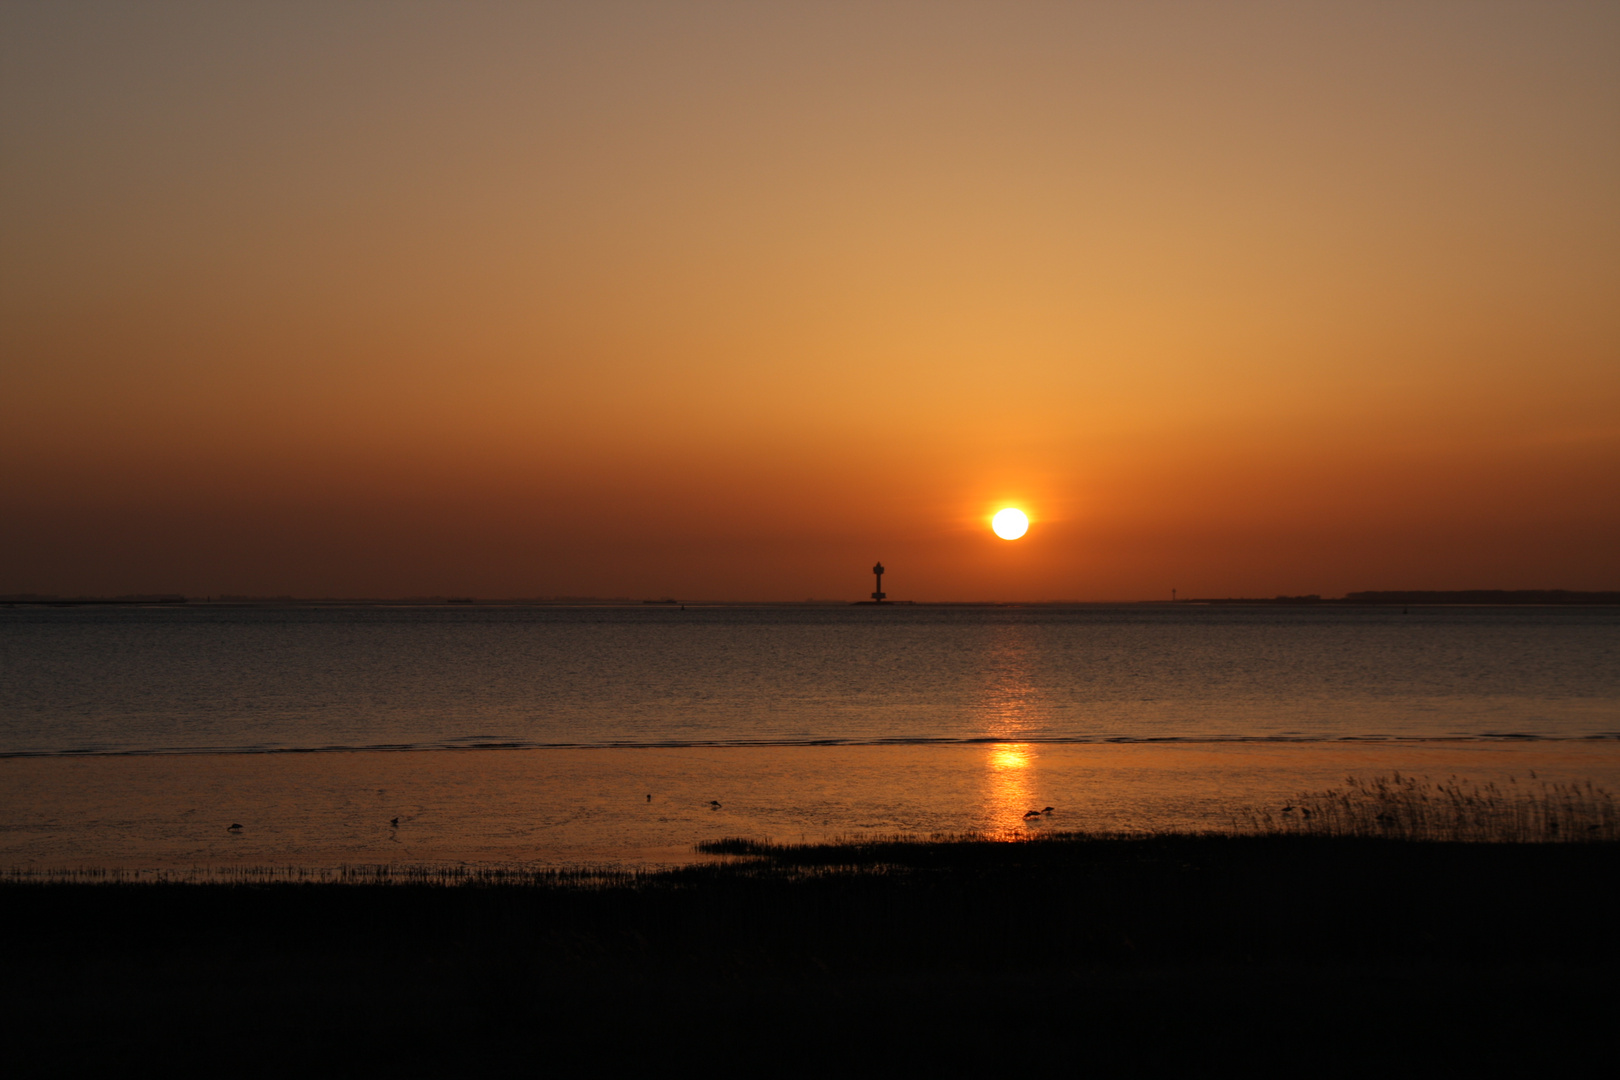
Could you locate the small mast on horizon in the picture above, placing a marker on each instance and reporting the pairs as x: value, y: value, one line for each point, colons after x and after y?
x: 877, y: 597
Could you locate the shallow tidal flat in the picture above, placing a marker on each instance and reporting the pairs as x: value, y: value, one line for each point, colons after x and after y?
x: 170, y: 814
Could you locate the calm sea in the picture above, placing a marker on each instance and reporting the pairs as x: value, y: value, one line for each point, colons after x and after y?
x: 134, y: 738
x: 133, y: 680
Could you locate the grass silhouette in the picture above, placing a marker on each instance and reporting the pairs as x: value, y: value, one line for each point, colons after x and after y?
x: 1403, y: 923
x: 1412, y: 808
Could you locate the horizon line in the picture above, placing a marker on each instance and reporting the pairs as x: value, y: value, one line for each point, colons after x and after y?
x: 1478, y: 597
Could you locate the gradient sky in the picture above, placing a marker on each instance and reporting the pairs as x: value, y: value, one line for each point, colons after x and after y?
x: 727, y: 301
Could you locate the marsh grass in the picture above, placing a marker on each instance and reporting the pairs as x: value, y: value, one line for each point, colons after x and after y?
x: 1136, y: 955
x: 1453, y: 810
x: 856, y: 850
x: 342, y: 874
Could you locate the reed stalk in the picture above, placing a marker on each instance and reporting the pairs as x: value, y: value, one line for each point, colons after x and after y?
x: 1412, y: 808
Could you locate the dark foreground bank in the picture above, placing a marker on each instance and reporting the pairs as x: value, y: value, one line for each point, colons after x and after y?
x: 1199, y: 954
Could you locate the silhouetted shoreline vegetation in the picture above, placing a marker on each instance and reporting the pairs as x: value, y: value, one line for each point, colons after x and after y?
x: 1412, y: 808
x: 1191, y: 952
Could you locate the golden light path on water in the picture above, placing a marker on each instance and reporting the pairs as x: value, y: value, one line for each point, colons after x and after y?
x: 1011, y: 796
x: 1012, y: 708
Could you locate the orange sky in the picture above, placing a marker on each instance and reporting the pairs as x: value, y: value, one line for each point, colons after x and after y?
x: 727, y: 301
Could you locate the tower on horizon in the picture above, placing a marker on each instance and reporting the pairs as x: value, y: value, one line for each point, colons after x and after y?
x: 877, y: 596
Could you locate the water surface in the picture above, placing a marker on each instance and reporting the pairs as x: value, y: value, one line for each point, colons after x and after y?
x: 109, y: 680
x: 133, y: 737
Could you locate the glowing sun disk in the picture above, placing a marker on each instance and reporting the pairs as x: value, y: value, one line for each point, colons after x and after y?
x: 1010, y: 524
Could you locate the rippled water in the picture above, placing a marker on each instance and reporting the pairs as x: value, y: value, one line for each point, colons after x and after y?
x: 121, y: 680
x: 633, y: 732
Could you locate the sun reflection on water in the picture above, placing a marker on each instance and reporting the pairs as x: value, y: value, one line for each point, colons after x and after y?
x: 1012, y: 709
x: 1009, y: 788
x: 1010, y: 701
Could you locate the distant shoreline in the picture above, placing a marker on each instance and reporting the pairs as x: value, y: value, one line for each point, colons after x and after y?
x: 1470, y: 597
x: 1415, y: 598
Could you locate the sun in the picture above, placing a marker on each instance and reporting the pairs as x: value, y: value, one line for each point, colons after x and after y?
x: 1010, y: 524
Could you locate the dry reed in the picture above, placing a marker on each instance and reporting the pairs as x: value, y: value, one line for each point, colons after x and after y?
x: 344, y: 874
x: 1409, y: 808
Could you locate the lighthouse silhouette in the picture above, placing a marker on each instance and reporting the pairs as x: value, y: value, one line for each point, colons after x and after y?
x: 877, y: 597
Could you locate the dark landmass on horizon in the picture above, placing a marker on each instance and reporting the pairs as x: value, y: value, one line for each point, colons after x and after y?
x: 1338, y: 955
x: 1474, y: 597
x: 1482, y: 597
x: 1479, y: 597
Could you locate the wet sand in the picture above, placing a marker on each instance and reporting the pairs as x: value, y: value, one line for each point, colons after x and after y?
x: 589, y: 807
